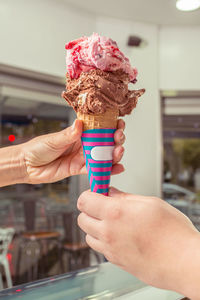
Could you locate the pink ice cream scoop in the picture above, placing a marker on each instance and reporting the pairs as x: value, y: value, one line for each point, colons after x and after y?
x: 96, y: 52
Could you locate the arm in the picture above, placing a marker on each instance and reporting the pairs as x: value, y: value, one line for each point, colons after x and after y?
x: 52, y: 157
x: 145, y: 236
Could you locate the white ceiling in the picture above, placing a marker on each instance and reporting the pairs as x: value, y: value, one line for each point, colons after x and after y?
x: 161, y: 12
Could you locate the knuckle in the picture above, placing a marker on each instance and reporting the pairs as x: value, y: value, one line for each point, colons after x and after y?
x: 51, y: 144
x: 113, y: 258
x: 110, y: 256
x: 107, y: 236
x: 118, y: 134
x: 68, y: 133
x: 114, y: 212
x: 156, y: 208
x: 122, y: 152
x: 155, y: 200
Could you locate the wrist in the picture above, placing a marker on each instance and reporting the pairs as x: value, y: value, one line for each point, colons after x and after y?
x: 20, y: 165
x: 190, y: 270
x: 12, y: 165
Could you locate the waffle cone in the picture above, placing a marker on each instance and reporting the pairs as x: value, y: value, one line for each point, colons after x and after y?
x: 106, y: 120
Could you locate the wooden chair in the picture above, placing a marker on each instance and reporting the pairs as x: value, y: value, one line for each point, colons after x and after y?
x: 6, y: 236
x: 74, y: 244
x: 34, y: 244
x: 33, y: 247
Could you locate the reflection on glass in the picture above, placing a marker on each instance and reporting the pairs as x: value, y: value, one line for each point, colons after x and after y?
x: 38, y: 213
x: 181, y: 172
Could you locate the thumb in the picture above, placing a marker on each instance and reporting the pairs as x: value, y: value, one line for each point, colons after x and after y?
x: 62, y: 139
x: 113, y: 192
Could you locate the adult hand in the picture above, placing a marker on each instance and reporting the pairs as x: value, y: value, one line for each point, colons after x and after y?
x: 52, y: 157
x: 145, y: 236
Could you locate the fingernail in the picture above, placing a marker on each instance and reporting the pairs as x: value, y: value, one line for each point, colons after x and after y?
x: 121, y: 135
x: 122, y: 139
x: 73, y: 125
x: 121, y: 130
x: 121, y: 153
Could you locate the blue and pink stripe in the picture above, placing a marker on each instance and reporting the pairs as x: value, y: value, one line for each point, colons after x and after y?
x: 99, y: 171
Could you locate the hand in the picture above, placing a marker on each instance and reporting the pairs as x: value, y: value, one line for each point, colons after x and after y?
x: 145, y: 236
x: 52, y: 157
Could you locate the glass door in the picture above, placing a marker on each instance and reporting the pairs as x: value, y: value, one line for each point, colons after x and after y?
x: 181, y: 140
x: 31, y: 105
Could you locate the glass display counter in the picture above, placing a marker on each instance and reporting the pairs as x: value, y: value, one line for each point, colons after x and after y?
x: 104, y: 281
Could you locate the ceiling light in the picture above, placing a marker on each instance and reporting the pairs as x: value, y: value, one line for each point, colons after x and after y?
x: 187, y: 5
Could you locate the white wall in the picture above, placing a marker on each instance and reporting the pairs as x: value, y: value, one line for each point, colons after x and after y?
x: 33, y: 33
x: 142, y: 158
x: 179, y: 59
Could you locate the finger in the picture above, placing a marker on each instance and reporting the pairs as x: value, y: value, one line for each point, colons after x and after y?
x: 83, y: 170
x: 117, y: 169
x: 121, y: 124
x: 90, y: 225
x: 118, y: 153
x: 119, y: 137
x: 95, y: 244
x: 93, y: 204
x: 113, y: 192
x: 59, y: 141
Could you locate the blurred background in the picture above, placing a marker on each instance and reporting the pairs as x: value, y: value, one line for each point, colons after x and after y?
x: 162, y: 156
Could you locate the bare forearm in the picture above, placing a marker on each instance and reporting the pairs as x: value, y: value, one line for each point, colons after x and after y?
x: 12, y: 168
x: 182, y: 271
x: 190, y: 275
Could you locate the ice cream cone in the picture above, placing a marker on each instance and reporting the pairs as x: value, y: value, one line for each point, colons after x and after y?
x: 106, y: 120
x: 98, y: 143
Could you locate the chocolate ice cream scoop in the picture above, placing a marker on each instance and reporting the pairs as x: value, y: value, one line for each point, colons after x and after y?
x: 96, y: 91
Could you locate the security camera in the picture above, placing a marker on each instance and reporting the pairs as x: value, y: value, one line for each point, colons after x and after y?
x: 136, y: 41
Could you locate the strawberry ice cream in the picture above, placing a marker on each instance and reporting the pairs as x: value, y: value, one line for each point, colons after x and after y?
x: 96, y: 52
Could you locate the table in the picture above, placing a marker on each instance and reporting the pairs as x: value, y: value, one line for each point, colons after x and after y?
x: 104, y: 281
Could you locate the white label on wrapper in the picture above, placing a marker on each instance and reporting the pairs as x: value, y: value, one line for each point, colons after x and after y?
x: 102, y: 153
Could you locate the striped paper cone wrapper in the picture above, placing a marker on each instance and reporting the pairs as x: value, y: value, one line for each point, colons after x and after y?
x: 98, y: 144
